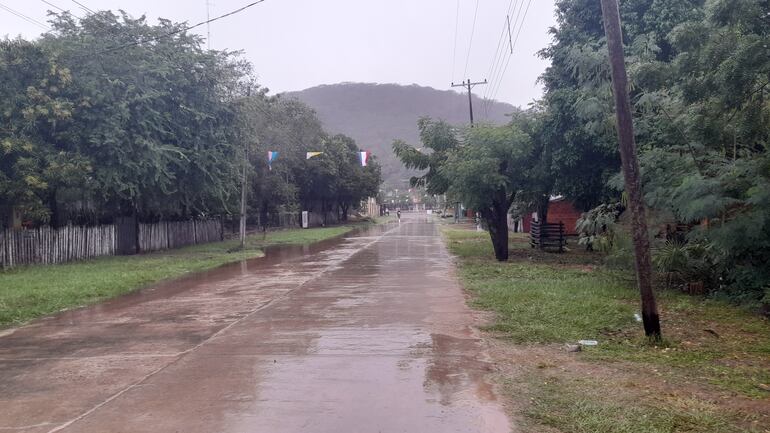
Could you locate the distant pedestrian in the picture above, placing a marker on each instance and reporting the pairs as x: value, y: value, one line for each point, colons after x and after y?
x: 398, y: 213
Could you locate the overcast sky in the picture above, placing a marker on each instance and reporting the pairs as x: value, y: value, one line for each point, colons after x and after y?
x: 296, y: 44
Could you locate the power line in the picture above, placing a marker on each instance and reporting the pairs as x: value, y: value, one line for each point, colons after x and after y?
x: 499, y: 57
x: 60, y: 9
x: 503, y: 60
x: 454, y: 50
x: 470, y: 44
x: 53, y: 5
x: 498, y: 54
x: 521, y: 26
x: 84, y: 7
x: 184, y: 29
x: 500, y: 50
x: 25, y: 17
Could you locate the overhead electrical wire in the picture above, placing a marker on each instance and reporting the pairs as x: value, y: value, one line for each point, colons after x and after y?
x: 269, y: 115
x: 184, y: 29
x: 506, y: 55
x: 497, y: 54
x: 84, y: 7
x: 53, y: 5
x: 24, y: 17
x: 470, y: 43
x: 521, y: 26
x: 502, y: 55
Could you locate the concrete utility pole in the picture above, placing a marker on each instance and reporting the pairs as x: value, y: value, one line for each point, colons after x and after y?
x: 243, y: 181
x: 243, y: 201
x: 630, y: 165
x: 468, y: 85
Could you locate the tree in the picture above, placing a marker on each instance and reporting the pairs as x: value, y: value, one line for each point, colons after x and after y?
x: 154, y: 119
x: 35, y: 166
x: 699, y: 87
x: 438, y: 139
x: 353, y: 183
x: 487, y: 171
x: 541, y: 177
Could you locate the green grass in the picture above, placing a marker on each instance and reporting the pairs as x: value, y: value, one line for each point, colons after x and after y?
x: 736, y: 359
x: 537, y: 302
x: 547, y: 298
x: 34, y: 291
x: 587, y: 406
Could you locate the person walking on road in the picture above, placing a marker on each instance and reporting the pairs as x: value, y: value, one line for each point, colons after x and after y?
x: 398, y: 213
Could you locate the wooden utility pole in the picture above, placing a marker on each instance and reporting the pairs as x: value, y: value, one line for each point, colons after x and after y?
x: 630, y: 165
x: 468, y: 85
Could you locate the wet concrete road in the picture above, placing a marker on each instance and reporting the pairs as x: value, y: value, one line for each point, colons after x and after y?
x: 364, y: 334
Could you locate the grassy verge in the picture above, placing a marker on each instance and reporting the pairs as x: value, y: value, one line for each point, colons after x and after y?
x: 713, y: 352
x: 35, y: 291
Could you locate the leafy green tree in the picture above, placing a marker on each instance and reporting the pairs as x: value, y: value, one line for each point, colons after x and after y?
x: 35, y: 166
x: 700, y: 87
x: 487, y: 172
x: 438, y: 139
x: 353, y: 183
x: 153, y: 117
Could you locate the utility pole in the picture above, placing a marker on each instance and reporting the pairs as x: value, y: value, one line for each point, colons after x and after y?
x: 468, y: 85
x: 208, y: 25
x: 243, y: 199
x: 630, y: 165
x: 243, y: 181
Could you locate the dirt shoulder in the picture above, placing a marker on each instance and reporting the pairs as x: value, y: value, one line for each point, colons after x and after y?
x: 711, y: 374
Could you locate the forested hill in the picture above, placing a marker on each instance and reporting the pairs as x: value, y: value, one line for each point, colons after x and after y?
x: 376, y: 114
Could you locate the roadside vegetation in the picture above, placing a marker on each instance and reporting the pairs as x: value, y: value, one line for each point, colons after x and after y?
x: 698, y: 73
x: 710, y: 374
x: 108, y: 116
x: 34, y: 291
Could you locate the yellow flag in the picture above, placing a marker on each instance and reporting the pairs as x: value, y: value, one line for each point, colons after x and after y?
x: 312, y: 154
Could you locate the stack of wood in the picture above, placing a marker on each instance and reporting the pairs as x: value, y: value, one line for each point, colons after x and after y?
x: 547, y: 236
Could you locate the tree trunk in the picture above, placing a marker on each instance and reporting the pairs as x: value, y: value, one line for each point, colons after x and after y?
x: 344, y: 212
x: 496, y: 218
x: 264, y: 219
x: 542, y: 208
x: 53, y: 205
x: 323, y: 211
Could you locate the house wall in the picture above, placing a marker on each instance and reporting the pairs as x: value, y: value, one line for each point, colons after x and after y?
x: 563, y: 211
x: 559, y: 211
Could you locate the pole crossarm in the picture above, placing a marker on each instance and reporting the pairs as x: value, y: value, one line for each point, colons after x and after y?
x: 470, y: 85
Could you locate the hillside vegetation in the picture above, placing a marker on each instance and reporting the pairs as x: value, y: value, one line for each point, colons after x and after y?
x: 376, y: 114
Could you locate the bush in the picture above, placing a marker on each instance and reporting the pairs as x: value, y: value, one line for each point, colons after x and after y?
x: 597, y: 227
x: 688, y: 265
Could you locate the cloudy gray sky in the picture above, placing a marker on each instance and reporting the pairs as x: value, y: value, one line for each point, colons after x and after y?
x: 295, y: 44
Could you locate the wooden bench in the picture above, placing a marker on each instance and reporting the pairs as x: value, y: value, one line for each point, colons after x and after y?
x: 549, y: 235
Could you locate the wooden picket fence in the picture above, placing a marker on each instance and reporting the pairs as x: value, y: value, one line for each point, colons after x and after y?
x: 46, y: 245
x: 176, y: 234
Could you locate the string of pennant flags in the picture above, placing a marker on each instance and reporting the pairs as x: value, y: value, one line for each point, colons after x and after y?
x: 363, y: 157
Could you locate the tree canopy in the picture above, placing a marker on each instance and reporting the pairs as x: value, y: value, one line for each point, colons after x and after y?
x: 110, y: 115
x: 700, y: 81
